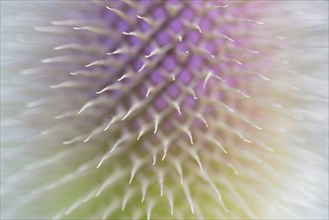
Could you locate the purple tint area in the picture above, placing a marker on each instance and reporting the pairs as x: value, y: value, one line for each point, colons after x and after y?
x: 192, y: 73
x: 173, y: 91
x: 160, y: 104
x: 167, y: 128
x: 145, y: 27
x: 195, y: 63
x: 156, y: 77
x: 206, y: 24
x: 145, y: 2
x: 122, y: 27
x: 188, y: 14
x: 160, y: 13
x: 185, y: 76
x: 137, y: 65
x: 176, y: 26
x: 191, y: 102
x: 212, y: 48
x: 142, y: 91
x: 182, y: 47
x: 174, y: 2
x: 148, y: 49
x: 193, y: 37
x: 230, y: 81
x: 169, y: 63
x: 163, y: 39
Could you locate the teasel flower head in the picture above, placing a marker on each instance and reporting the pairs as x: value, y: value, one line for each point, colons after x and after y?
x: 164, y: 109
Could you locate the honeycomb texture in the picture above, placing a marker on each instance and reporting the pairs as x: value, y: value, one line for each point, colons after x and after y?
x: 162, y: 109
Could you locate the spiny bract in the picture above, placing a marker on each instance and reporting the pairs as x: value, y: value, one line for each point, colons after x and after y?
x: 161, y: 109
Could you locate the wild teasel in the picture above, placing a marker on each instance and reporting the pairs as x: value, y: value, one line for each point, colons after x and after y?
x: 163, y: 109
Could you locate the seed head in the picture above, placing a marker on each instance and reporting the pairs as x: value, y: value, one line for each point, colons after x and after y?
x: 163, y: 109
